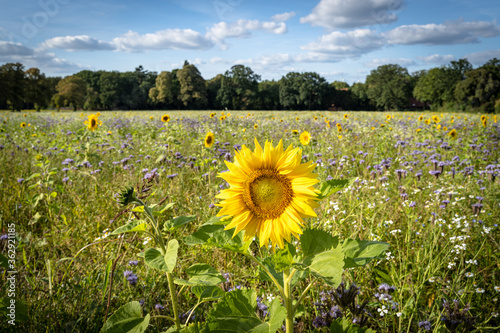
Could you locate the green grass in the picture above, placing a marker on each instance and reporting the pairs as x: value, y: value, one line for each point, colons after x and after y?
x: 62, y: 225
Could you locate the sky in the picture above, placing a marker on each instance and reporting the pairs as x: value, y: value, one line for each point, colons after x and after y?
x: 341, y: 40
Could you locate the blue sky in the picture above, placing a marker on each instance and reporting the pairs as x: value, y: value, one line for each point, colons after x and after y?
x: 339, y: 39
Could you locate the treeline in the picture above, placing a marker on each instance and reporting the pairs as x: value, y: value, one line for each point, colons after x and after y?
x: 457, y: 86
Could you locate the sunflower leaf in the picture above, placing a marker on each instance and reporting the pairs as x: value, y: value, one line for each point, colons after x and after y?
x: 236, y: 312
x: 215, y: 235
x: 201, y: 275
x: 134, y: 226
x: 153, y: 258
x: 127, y: 318
x: 283, y: 258
x: 343, y: 325
x: 207, y: 293
x: 328, y: 187
x: 360, y: 252
x: 176, y: 223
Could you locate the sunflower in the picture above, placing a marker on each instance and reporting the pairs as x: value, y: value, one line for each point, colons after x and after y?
x: 453, y: 134
x: 212, y: 114
x: 420, y: 118
x: 165, y: 118
x: 92, y: 122
x: 23, y: 125
x: 346, y: 116
x: 305, y: 137
x: 339, y: 125
x: 209, y: 139
x: 388, y: 117
x: 427, y: 121
x: 483, y: 118
x: 327, y: 124
x: 339, y: 129
x: 221, y: 118
x: 436, y: 119
x: 255, y: 126
x: 270, y: 193
x: 295, y: 132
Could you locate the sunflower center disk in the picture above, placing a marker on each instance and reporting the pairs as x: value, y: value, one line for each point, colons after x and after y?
x: 267, y: 193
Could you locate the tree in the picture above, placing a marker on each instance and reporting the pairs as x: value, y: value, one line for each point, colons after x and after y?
x: 480, y: 88
x: 300, y: 91
x: 13, y: 78
x: 193, y: 90
x: 72, y: 91
x: 388, y: 87
x: 269, y: 95
x: 36, y: 89
x: 213, y: 87
x: 239, y: 88
x: 166, y: 90
x: 433, y: 86
x: 359, y: 94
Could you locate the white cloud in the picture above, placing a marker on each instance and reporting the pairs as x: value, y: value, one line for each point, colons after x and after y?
x: 273, y: 61
x: 480, y: 58
x: 450, y: 32
x: 76, y: 43
x: 403, y: 62
x: 14, y: 49
x: 437, y: 59
x: 337, y: 45
x: 283, y: 17
x: 341, y: 14
x: 168, y: 39
x: 219, y: 60
x: 219, y: 32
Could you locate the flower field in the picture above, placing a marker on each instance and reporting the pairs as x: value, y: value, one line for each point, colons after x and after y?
x: 177, y: 221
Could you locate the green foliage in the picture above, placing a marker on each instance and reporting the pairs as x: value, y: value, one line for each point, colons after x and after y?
x: 201, y: 275
x: 72, y: 90
x: 388, y: 87
x: 133, y: 226
x: 193, y: 90
x: 359, y: 253
x: 303, y: 91
x: 215, y: 235
x: 178, y: 222
x: 127, y: 319
x: 329, y: 187
x: 236, y: 313
x: 344, y: 325
x: 166, y: 262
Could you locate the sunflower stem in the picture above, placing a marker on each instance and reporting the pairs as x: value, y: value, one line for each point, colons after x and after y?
x: 294, y: 309
x: 171, y: 288
x: 287, y: 298
x: 276, y: 283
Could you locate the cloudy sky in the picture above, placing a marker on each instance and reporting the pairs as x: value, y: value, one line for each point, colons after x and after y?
x: 339, y: 39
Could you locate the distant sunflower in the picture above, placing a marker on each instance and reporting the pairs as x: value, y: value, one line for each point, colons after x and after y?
x: 92, y: 122
x: 305, y: 137
x: 255, y: 126
x: 221, y: 118
x: 346, y: 116
x: 209, y: 139
x: 270, y: 193
x: 23, y: 125
x: 483, y: 118
x: 295, y: 132
x: 427, y: 121
x: 212, y: 114
x: 165, y: 118
x: 297, y: 118
x: 339, y: 129
x: 420, y: 118
x: 327, y: 124
x: 435, y: 119
x: 388, y: 117
x: 453, y: 134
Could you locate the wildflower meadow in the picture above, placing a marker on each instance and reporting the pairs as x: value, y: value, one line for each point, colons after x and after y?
x: 249, y: 221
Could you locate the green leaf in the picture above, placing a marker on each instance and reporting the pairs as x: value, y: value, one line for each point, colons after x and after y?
x: 207, y: 293
x: 127, y: 319
x: 35, y: 175
x: 201, y: 275
x: 343, y: 325
x: 314, y: 241
x: 283, y: 258
x: 20, y: 312
x: 138, y: 209
x: 236, y: 312
x: 215, y: 235
x: 134, y: 226
x: 176, y: 223
x: 328, y: 187
x: 264, y: 276
x: 167, y: 207
x: 106, y: 278
x: 4, y: 262
x: 153, y: 258
x: 359, y: 252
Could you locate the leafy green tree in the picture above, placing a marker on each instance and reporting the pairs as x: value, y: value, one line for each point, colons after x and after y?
x: 13, y: 80
x: 433, y: 87
x: 37, y: 89
x: 389, y: 87
x: 71, y: 90
x: 269, y: 95
x: 339, y: 85
x: 239, y: 88
x: 166, y: 90
x: 359, y: 94
x: 480, y: 88
x: 193, y: 89
x: 300, y: 91
x: 213, y: 87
